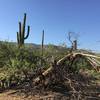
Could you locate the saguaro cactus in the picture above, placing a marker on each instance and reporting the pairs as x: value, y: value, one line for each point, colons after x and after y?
x: 21, y: 34
x: 42, y: 42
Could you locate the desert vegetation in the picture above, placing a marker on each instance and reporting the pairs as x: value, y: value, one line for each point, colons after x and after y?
x: 49, y: 72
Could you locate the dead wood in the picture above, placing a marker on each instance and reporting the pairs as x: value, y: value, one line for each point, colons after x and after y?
x: 44, y: 74
x: 71, y: 57
x: 87, y: 55
x: 94, y: 64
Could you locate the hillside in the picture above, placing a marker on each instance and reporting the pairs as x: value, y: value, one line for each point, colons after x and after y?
x: 25, y: 74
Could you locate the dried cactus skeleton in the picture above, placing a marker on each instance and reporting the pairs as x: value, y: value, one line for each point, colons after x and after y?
x: 92, y: 59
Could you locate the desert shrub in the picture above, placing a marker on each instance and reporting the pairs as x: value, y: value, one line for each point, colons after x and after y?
x: 81, y: 63
x: 6, y: 51
x: 19, y: 64
x: 52, y: 53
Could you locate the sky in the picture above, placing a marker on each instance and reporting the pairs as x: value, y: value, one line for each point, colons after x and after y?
x: 56, y: 17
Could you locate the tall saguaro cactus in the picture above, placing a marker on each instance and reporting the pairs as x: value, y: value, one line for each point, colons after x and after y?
x: 42, y: 46
x: 42, y: 42
x: 21, y: 34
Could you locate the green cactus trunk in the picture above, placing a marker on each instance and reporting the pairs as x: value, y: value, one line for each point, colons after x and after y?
x: 21, y: 34
x: 42, y: 42
x: 42, y: 48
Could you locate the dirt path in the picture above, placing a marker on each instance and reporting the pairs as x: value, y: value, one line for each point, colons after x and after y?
x: 11, y: 95
x: 7, y: 95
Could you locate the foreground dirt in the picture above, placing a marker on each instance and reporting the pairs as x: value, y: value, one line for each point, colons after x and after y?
x: 90, y: 93
x: 6, y: 96
x: 89, y: 90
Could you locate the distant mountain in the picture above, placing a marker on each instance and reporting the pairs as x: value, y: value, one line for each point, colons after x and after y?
x: 55, y: 47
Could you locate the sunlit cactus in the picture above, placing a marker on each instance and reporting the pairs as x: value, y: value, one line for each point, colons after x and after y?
x: 42, y: 41
x: 21, y: 34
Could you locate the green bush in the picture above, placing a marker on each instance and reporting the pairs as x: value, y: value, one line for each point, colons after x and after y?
x: 18, y: 64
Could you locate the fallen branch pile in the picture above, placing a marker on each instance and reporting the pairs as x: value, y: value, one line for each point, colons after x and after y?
x: 92, y: 59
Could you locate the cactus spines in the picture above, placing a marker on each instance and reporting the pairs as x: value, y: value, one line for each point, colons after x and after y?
x: 21, y: 34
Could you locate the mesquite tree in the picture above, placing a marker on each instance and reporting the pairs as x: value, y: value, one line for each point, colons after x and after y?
x: 73, y: 40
